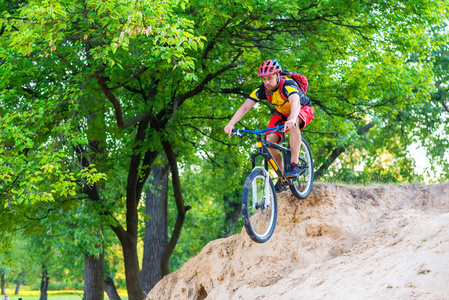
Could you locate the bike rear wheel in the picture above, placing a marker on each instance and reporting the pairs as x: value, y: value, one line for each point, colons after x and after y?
x: 259, y: 206
x: 302, y: 185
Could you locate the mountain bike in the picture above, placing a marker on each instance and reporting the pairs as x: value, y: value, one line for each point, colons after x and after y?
x: 259, y: 201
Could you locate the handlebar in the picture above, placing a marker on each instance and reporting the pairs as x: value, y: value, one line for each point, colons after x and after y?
x: 240, y: 132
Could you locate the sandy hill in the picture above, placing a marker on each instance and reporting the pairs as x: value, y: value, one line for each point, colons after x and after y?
x: 386, y: 242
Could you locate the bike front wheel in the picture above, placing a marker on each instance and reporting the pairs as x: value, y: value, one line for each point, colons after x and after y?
x: 259, y: 206
x: 302, y: 185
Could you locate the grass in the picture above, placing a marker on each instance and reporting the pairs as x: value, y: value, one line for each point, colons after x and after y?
x: 27, y: 294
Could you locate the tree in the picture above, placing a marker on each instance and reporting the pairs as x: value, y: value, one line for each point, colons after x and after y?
x: 156, y: 228
x: 432, y: 116
x: 4, y: 270
x: 415, y: 122
x: 165, y: 66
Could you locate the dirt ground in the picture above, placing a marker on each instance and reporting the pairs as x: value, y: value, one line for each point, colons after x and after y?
x: 384, y: 242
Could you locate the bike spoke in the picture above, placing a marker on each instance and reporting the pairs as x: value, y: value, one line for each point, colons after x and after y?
x: 260, y: 215
x: 302, y: 185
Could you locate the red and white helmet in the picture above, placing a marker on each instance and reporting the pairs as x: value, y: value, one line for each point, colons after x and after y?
x: 269, y: 67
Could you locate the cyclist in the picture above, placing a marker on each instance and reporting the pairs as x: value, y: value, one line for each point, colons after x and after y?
x: 296, y: 112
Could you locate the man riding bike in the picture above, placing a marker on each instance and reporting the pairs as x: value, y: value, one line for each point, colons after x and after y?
x: 295, y: 112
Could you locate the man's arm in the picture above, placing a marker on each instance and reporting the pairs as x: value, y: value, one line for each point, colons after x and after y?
x: 244, y: 108
x: 294, y: 111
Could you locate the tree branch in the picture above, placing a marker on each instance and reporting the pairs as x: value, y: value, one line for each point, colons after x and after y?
x: 207, y: 154
x: 148, y: 159
x: 445, y: 106
x: 236, y: 91
x: 117, y: 108
x: 119, y: 231
x: 329, y: 161
x: 205, y: 134
x: 208, y: 78
x: 365, y: 128
x: 210, y: 118
x: 136, y: 91
x: 178, y: 101
x: 211, y: 45
x: 176, y: 183
x: 132, y: 197
x: 132, y: 78
x: 337, y: 151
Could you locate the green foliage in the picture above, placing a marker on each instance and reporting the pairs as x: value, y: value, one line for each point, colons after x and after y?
x: 205, y: 185
x: 78, y: 79
x: 29, y: 163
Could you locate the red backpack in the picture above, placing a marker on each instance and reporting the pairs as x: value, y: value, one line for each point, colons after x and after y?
x: 300, y: 79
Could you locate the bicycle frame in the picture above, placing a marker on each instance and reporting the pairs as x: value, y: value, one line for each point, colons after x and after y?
x: 262, y: 150
x: 259, y: 200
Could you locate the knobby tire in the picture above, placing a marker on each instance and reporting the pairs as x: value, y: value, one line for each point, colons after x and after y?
x: 302, y: 185
x: 259, y: 220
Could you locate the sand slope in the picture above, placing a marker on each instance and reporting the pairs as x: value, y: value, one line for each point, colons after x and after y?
x: 386, y: 242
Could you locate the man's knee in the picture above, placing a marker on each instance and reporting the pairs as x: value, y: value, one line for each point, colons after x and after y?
x: 272, y: 137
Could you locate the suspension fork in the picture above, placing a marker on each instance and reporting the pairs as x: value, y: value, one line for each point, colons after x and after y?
x: 260, y: 152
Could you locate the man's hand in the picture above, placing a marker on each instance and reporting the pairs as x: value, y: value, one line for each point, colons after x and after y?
x: 228, y: 129
x: 289, y: 124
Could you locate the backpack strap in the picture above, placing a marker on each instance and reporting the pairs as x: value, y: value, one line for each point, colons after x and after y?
x: 268, y: 94
x: 281, y: 87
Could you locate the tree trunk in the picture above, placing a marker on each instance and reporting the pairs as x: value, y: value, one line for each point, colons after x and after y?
x: 328, y: 162
x: 181, y: 208
x: 234, y: 209
x: 44, y: 283
x: 110, y: 289
x: 19, y: 283
x: 138, y: 173
x: 3, y: 283
x: 156, y: 236
x: 96, y: 134
x: 130, y: 258
x: 133, y: 283
x: 94, y: 277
